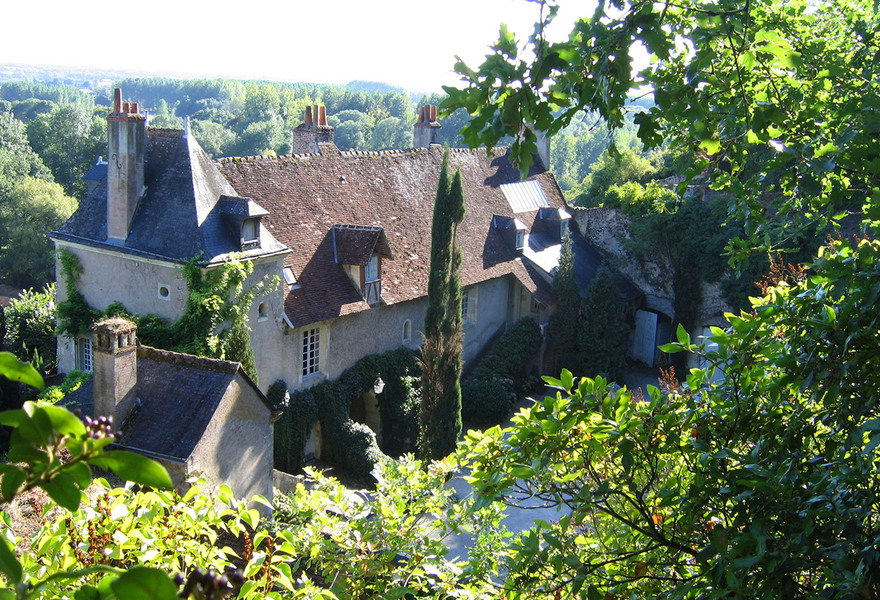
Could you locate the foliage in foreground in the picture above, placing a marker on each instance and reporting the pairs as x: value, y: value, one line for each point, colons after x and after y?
x: 763, y: 485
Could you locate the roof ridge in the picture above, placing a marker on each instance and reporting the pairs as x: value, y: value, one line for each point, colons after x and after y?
x: 189, y: 361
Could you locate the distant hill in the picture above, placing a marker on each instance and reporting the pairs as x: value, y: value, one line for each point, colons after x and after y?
x: 372, y: 87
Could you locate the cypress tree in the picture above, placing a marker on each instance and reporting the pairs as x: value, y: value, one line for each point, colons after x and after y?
x: 604, y: 330
x: 565, y: 321
x: 440, y: 417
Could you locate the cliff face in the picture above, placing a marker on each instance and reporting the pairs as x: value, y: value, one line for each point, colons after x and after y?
x: 608, y: 229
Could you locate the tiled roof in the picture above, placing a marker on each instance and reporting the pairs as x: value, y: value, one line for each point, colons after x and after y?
x: 179, y: 394
x: 179, y: 217
x: 355, y: 245
x: 307, y: 194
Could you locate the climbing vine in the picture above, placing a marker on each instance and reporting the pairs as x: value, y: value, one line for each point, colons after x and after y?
x: 75, y: 316
x: 214, y: 319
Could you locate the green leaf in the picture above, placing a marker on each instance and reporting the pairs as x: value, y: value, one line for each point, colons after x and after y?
x: 17, y: 370
x: 63, y: 490
x: 13, y: 477
x: 87, y: 592
x: 143, y: 583
x: 134, y: 467
x: 64, y: 421
x: 9, y: 564
x: 682, y: 335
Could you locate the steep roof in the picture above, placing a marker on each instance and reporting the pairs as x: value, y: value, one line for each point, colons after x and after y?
x: 179, y: 217
x: 307, y: 194
x: 178, y: 393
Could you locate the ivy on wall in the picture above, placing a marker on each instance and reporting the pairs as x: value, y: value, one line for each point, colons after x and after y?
x: 347, y: 444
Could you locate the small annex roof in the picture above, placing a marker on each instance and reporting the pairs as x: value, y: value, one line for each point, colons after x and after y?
x: 178, y: 395
x: 356, y: 244
x: 179, y: 216
x: 308, y: 195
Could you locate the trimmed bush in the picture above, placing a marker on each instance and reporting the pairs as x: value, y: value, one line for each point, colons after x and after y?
x: 486, y: 399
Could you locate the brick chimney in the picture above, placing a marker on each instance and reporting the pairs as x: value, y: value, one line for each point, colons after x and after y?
x: 313, y: 131
x: 125, y: 169
x: 426, y: 131
x: 115, y: 370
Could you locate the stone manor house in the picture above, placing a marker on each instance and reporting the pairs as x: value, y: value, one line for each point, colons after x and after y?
x: 349, y: 234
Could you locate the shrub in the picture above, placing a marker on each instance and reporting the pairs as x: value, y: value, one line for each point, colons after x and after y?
x: 486, y: 399
x: 503, y: 368
x: 55, y: 393
x: 352, y: 446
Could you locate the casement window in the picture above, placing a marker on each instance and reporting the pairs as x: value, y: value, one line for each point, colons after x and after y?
x: 469, y: 307
x: 371, y: 272
x: 84, y: 354
x: 407, y: 331
x: 311, y: 351
x: 250, y: 230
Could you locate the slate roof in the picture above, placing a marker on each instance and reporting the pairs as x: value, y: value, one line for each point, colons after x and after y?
x: 180, y: 215
x: 307, y: 194
x: 178, y: 394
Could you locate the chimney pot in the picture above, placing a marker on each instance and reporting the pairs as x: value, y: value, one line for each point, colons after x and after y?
x: 323, y: 115
x: 134, y: 107
x: 421, y: 114
x: 308, y: 114
x: 433, y: 108
x: 117, y: 100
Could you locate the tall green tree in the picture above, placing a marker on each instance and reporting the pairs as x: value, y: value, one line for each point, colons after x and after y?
x: 32, y: 209
x: 603, y: 331
x: 69, y: 140
x: 440, y: 416
x: 563, y: 327
x: 17, y: 159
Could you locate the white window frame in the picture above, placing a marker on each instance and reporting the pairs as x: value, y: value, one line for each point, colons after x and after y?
x: 289, y: 278
x: 520, y: 239
x: 469, y: 307
x: 310, y: 352
x: 83, y: 354
x: 250, y: 230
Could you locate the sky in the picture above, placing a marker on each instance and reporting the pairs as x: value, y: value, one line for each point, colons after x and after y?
x: 401, y: 42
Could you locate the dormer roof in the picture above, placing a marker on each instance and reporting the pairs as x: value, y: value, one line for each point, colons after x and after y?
x: 356, y: 244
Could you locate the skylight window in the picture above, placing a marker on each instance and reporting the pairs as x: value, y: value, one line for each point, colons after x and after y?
x: 290, y: 279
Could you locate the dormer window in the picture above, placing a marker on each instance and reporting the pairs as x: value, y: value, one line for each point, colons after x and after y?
x: 563, y: 228
x: 250, y: 231
x: 520, y: 239
x: 242, y: 217
x: 359, y: 250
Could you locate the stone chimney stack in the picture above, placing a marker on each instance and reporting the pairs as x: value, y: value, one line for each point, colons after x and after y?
x: 125, y: 169
x: 426, y: 131
x: 313, y: 131
x: 115, y: 369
